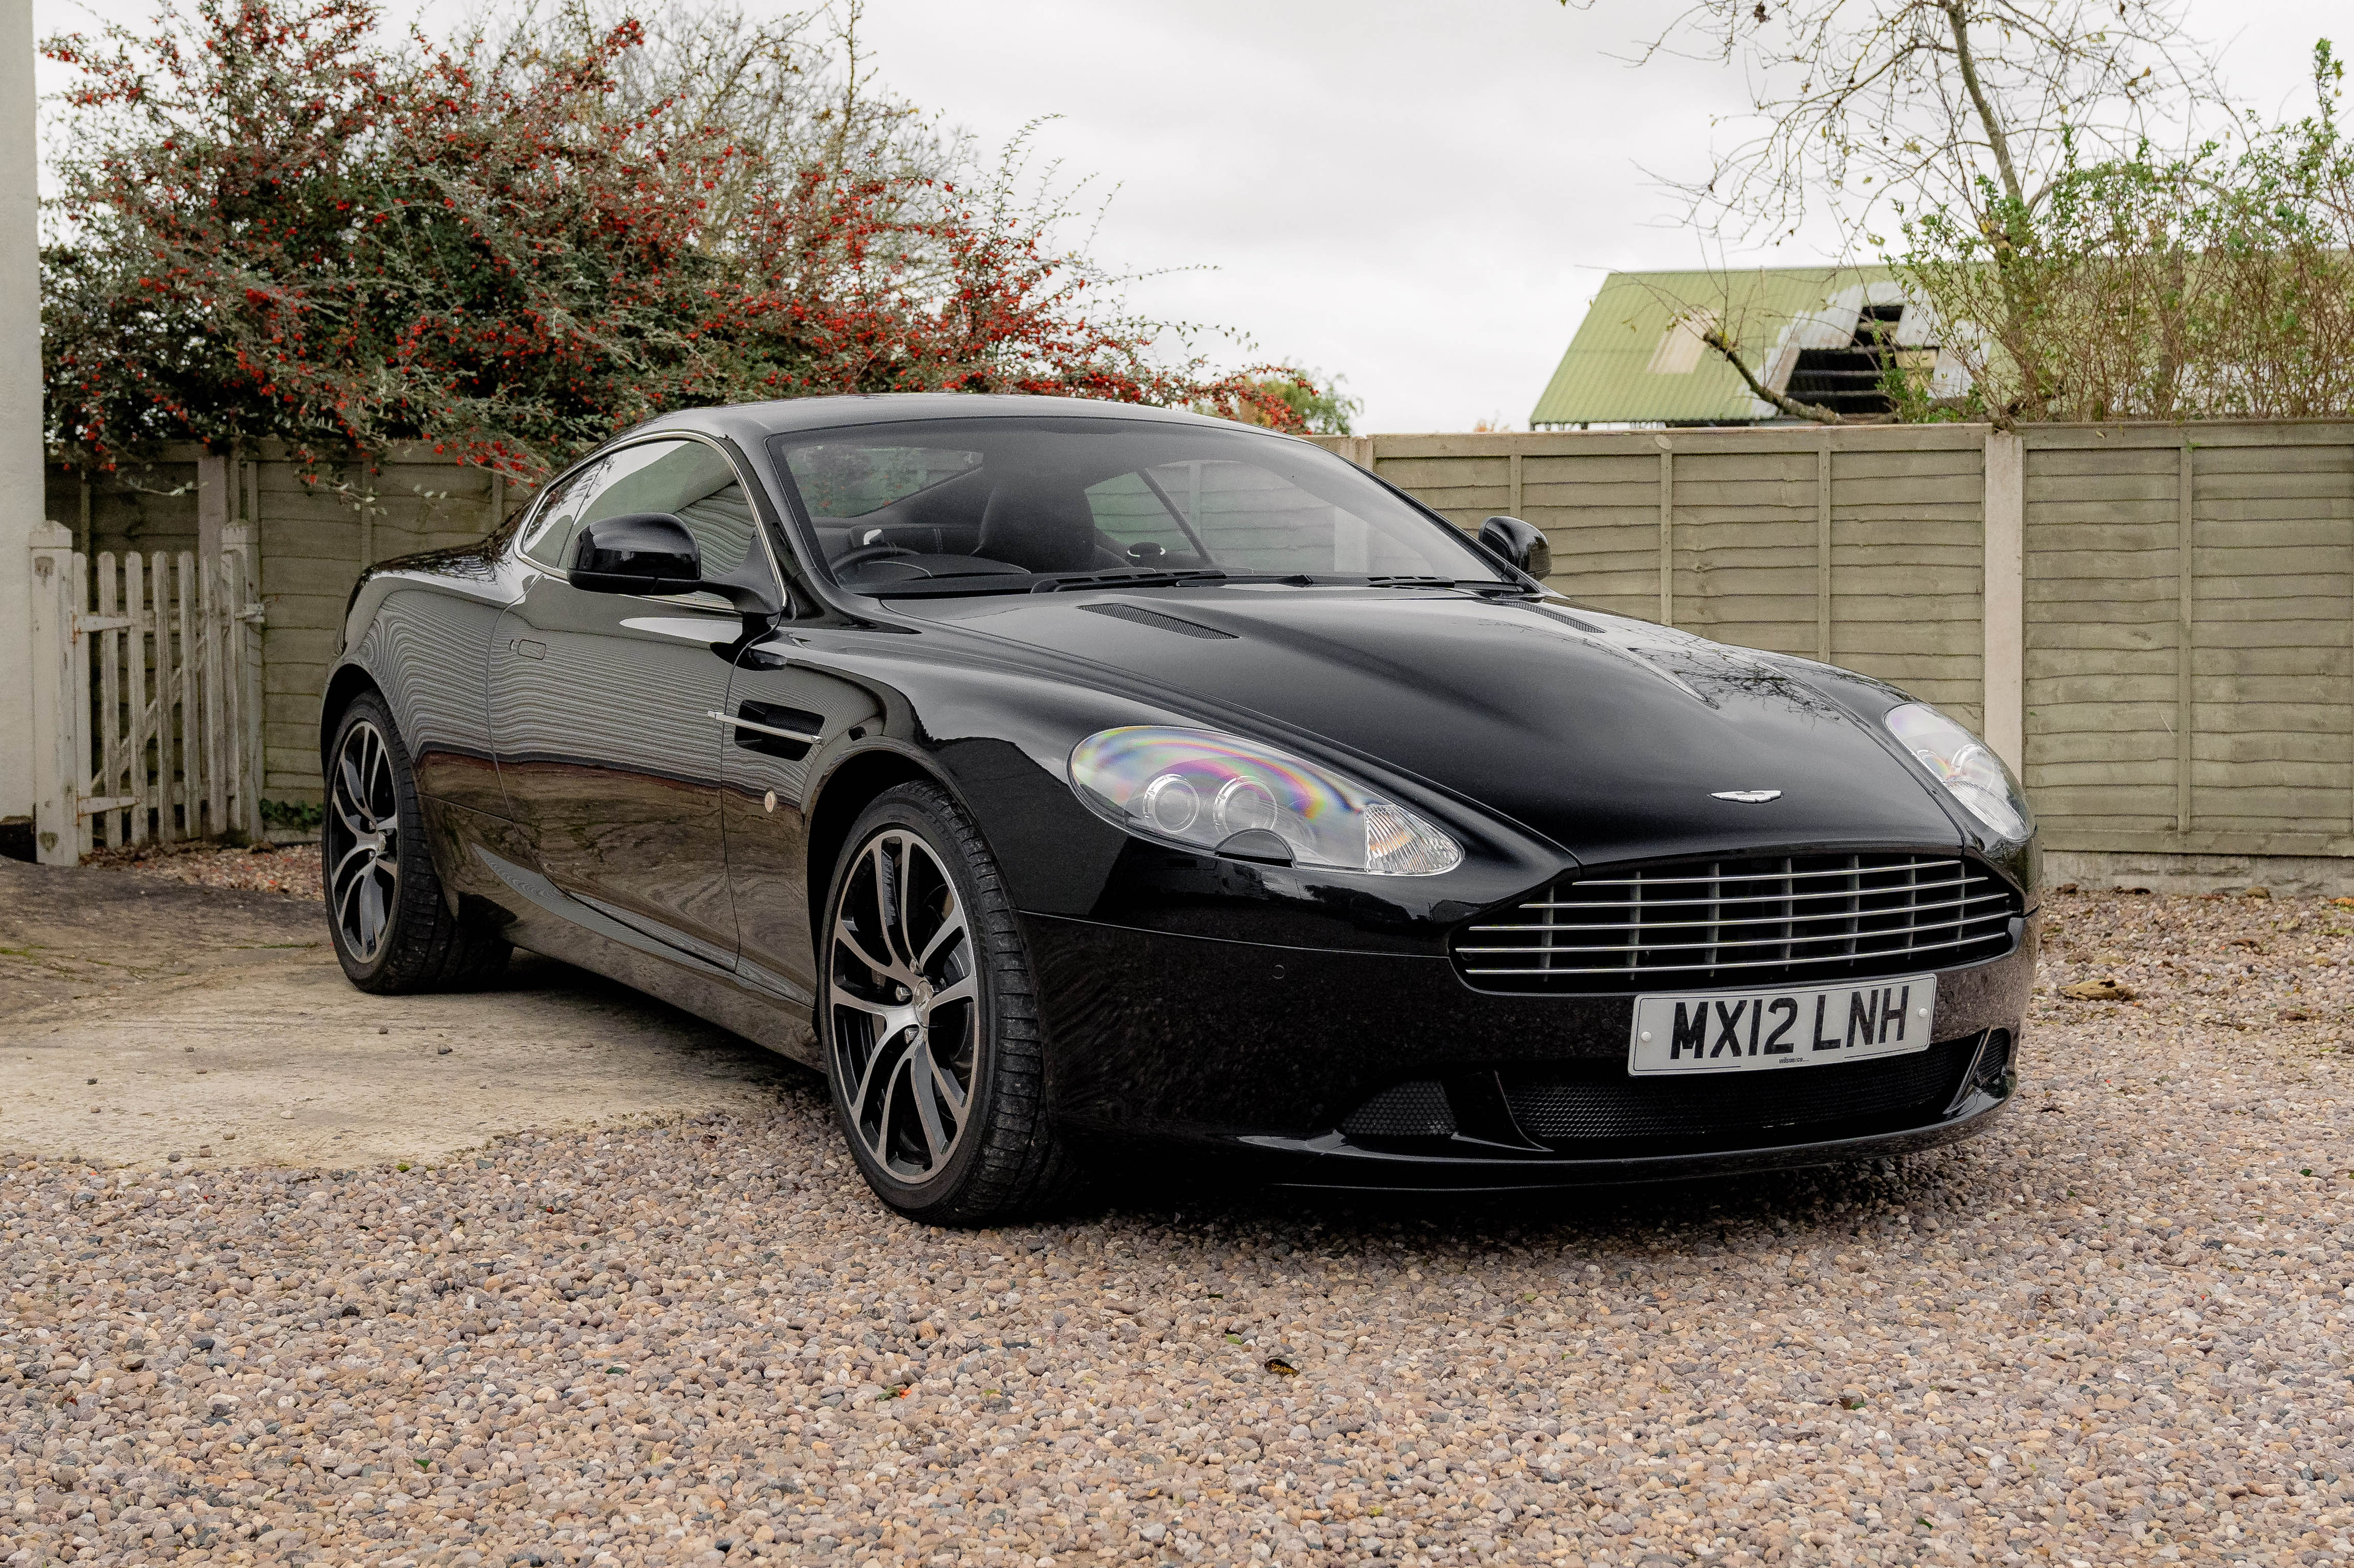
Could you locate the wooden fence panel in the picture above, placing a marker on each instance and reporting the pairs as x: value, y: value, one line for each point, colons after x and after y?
x: 2188, y: 674
x: 1907, y: 571
x: 2189, y: 643
x: 317, y: 534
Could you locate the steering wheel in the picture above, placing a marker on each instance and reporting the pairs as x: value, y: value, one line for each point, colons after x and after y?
x: 863, y: 554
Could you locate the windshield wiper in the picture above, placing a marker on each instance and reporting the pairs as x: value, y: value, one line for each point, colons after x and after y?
x: 1139, y: 577
x: 1473, y: 585
x: 1040, y: 582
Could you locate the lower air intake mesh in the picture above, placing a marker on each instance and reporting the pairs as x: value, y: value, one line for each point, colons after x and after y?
x: 1414, y: 1109
x: 1993, y: 1061
x: 1555, y: 1107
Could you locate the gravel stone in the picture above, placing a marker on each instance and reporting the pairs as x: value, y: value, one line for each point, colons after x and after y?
x: 2113, y: 1330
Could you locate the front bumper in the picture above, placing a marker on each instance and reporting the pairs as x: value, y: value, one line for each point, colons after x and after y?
x: 1255, y: 1055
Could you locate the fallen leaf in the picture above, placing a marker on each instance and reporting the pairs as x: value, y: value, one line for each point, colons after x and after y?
x: 2102, y: 990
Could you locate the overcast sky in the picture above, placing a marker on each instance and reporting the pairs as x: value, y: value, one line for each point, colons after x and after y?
x: 1418, y: 195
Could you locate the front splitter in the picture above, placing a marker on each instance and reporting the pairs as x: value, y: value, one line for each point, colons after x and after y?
x: 1333, y: 1162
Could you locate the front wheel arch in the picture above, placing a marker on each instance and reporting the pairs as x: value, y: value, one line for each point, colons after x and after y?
x: 841, y: 797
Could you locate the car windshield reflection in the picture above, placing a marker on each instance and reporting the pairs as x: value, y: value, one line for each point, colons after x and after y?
x: 1015, y: 505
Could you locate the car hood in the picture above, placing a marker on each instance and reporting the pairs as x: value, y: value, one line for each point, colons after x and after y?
x: 1612, y: 737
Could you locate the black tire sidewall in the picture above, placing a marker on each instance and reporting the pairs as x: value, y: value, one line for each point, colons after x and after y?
x: 910, y: 807
x: 412, y: 857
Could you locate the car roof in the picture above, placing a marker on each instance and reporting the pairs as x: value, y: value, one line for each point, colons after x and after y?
x: 753, y: 422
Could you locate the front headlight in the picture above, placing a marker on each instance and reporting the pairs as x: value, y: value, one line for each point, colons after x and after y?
x: 1970, y: 773
x: 1213, y: 791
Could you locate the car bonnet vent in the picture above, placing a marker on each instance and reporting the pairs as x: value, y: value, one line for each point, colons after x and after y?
x: 1140, y: 616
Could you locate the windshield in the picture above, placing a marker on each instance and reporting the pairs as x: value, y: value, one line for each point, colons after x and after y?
x: 1011, y: 504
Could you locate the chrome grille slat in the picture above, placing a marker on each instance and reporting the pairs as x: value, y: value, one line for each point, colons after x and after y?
x: 1654, y: 879
x: 1811, y: 917
x: 1648, y: 969
x: 1718, y: 947
x: 1784, y: 919
x: 1772, y: 898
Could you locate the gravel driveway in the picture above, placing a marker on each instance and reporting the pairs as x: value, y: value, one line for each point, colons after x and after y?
x: 2113, y: 1330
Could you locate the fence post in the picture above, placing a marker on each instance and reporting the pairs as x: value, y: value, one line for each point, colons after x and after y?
x: 2186, y: 607
x: 143, y: 718
x: 57, y: 707
x: 1823, y: 549
x: 192, y: 757
x: 213, y: 621
x: 2005, y: 614
x: 109, y: 647
x: 77, y: 698
x: 244, y: 599
x: 159, y: 587
x: 1667, y: 531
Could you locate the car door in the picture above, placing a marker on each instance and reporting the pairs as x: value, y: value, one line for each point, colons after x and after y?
x: 603, y: 705
x: 783, y: 703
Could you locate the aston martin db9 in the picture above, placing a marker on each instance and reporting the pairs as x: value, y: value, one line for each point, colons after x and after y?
x: 1081, y: 787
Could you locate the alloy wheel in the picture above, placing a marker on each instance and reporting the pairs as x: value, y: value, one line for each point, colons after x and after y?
x: 364, y: 841
x: 904, y: 1006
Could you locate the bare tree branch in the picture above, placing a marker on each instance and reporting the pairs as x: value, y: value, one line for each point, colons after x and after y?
x: 1869, y: 110
x: 1714, y: 337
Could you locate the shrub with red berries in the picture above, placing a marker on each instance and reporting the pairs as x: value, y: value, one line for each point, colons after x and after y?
x: 276, y: 224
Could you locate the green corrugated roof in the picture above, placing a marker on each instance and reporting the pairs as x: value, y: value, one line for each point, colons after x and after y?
x: 1607, y: 376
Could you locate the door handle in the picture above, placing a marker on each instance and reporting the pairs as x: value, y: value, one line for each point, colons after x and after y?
x: 742, y: 723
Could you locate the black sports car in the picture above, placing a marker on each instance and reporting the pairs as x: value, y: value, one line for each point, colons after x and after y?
x: 1076, y: 783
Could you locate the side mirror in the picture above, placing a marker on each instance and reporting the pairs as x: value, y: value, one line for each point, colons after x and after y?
x: 637, y: 552
x: 1518, y: 544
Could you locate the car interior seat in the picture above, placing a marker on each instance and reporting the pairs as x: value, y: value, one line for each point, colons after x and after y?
x: 1041, y: 523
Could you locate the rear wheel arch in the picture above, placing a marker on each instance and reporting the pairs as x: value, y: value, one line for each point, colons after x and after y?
x: 347, y: 683
x: 421, y: 939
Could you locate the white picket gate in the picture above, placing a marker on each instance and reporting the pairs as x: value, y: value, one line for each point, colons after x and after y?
x: 146, y: 698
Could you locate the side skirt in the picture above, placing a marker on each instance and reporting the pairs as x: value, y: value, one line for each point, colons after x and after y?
x: 777, y: 1024
x: 541, y: 917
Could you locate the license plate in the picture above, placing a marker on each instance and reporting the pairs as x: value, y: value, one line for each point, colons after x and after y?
x: 1798, y: 1026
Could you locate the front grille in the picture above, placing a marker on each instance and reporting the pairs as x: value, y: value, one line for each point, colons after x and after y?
x: 1759, y: 920
x: 1600, y: 1103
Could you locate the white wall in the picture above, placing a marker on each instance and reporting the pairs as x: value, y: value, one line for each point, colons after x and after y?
x: 20, y: 400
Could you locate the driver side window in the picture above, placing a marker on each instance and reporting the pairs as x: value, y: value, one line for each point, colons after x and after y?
x: 549, y: 536
x: 685, y: 479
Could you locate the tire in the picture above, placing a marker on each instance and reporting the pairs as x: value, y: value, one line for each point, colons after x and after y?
x: 392, y: 927
x: 930, y: 1030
